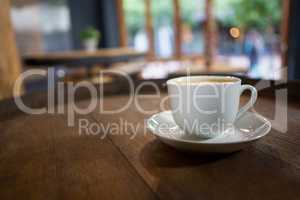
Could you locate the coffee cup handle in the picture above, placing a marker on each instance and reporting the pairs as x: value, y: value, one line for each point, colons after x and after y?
x: 250, y: 103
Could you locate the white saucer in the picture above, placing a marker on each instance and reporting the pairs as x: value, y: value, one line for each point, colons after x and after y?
x: 249, y: 128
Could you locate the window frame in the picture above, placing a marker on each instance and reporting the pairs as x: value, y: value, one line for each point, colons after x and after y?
x: 209, y: 30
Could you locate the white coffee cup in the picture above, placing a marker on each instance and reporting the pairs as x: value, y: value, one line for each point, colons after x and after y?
x: 207, y: 106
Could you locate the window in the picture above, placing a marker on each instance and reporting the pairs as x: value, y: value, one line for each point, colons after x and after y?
x: 162, y: 14
x: 217, y: 30
x: 251, y: 39
x: 192, y: 26
x: 41, y: 26
x: 135, y: 24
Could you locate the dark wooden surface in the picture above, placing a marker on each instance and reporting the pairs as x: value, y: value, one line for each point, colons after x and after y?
x: 42, y: 158
x: 79, y: 58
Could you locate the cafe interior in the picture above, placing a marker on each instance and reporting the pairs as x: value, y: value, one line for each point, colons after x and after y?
x: 56, y: 54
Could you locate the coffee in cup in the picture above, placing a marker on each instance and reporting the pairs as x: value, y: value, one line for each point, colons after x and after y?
x: 207, y: 106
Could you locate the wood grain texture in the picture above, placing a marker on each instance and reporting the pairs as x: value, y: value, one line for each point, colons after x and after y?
x: 149, y: 29
x: 10, y: 67
x: 268, y: 170
x: 210, y: 33
x: 112, y: 52
x: 123, y: 36
x: 42, y: 158
x: 104, y: 57
x: 177, y: 28
x: 285, y: 31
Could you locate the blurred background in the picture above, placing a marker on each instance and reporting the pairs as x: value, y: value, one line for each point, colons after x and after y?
x: 147, y: 39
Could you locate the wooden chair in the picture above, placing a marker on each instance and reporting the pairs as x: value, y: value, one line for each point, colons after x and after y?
x: 10, y: 65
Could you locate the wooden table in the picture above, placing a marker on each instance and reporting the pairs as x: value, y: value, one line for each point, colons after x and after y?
x: 42, y: 158
x: 82, y: 58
